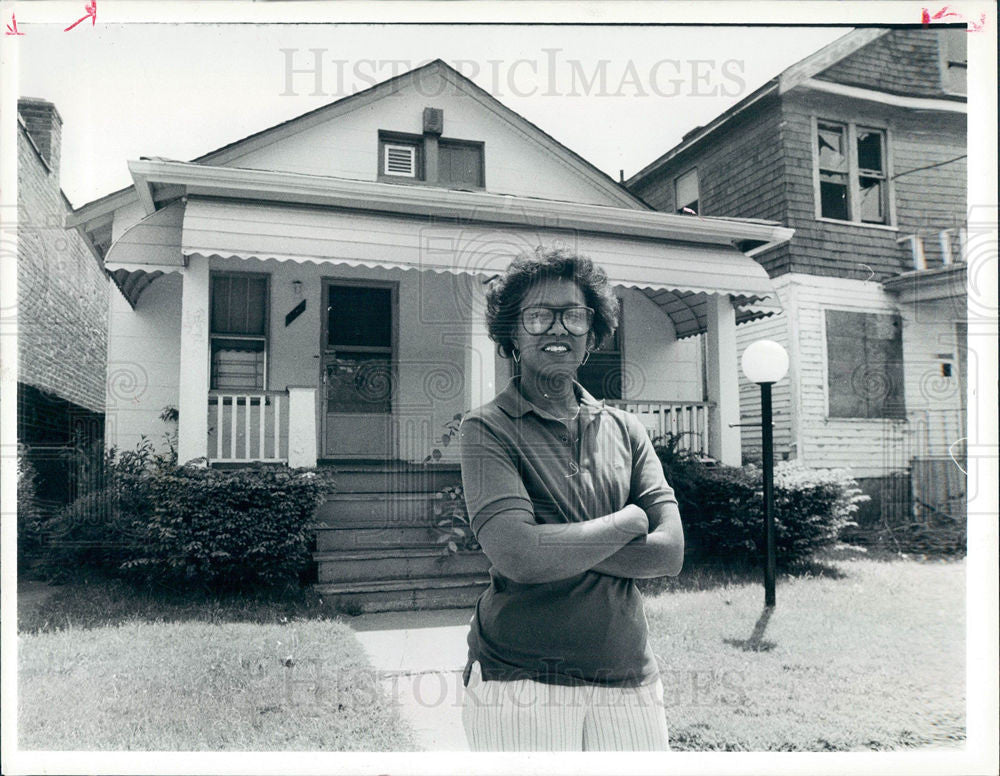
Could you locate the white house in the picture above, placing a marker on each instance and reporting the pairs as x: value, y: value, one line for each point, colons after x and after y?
x: 314, y: 292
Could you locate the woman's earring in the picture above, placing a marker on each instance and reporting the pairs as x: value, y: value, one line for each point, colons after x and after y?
x: 515, y: 355
x: 586, y: 357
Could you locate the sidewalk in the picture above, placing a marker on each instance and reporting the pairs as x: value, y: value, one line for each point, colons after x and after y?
x: 421, y: 654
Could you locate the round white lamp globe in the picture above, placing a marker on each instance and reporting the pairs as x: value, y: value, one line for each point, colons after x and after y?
x: 764, y: 361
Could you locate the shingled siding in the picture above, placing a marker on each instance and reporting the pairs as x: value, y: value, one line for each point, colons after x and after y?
x: 926, y: 201
x: 740, y: 174
x: 900, y: 62
x: 62, y: 293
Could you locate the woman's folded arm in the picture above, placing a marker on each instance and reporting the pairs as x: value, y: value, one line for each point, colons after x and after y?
x: 660, y: 553
x: 527, y: 552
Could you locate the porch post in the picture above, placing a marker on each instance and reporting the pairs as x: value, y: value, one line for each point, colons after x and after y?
x: 192, y: 422
x: 480, y: 352
x: 723, y: 382
x: 301, y: 426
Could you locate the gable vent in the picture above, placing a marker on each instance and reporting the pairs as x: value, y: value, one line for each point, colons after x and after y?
x: 401, y: 160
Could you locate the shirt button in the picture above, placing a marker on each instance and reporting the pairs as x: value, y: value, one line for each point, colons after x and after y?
x: 565, y: 439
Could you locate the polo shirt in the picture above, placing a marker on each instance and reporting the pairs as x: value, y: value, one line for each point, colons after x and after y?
x: 589, y: 628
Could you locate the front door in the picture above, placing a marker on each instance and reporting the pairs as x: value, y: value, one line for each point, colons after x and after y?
x: 359, y: 377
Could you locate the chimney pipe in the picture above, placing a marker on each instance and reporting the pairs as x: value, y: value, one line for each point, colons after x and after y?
x: 44, y: 126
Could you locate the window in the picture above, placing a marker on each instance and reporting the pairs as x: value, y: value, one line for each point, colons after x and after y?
x: 436, y: 161
x: 864, y: 354
x: 953, y: 46
x: 238, y: 335
x: 686, y: 192
x: 852, y: 173
x: 460, y: 164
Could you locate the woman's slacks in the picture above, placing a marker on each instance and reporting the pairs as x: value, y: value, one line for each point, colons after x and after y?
x: 525, y: 715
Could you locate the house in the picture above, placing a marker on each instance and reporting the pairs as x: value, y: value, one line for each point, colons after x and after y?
x: 62, y: 310
x: 313, y: 294
x: 860, y: 148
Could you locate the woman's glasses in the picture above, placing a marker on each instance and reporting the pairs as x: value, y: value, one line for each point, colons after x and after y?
x: 538, y: 320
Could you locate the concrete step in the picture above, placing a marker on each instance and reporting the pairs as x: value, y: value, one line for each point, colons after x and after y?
x: 407, y: 594
x: 396, y: 563
x: 376, y: 510
x: 350, y: 538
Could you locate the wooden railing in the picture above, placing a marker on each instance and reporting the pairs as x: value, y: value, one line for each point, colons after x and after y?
x: 248, y: 426
x: 951, y: 247
x: 686, y: 419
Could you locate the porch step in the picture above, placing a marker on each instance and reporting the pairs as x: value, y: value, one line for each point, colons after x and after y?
x: 398, y: 563
x: 376, y: 510
x: 392, y: 476
x: 407, y: 594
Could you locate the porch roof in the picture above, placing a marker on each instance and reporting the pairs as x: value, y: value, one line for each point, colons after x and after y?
x: 250, y: 214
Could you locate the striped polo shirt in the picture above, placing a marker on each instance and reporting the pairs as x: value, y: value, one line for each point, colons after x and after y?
x: 589, y: 628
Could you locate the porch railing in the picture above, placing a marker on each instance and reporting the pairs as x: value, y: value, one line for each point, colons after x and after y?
x: 686, y: 419
x: 248, y: 426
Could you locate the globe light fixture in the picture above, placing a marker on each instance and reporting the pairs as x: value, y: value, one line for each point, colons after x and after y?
x: 765, y: 362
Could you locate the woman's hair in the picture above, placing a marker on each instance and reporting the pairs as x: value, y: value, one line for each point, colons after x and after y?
x: 503, y: 299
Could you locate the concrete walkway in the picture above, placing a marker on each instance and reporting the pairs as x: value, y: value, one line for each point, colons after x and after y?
x: 420, y: 656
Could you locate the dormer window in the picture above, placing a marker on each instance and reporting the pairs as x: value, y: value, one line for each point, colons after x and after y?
x: 430, y: 158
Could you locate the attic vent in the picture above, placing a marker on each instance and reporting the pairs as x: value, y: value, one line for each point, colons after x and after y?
x: 401, y: 160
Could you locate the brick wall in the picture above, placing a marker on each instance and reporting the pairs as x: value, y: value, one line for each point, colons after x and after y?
x: 61, y: 287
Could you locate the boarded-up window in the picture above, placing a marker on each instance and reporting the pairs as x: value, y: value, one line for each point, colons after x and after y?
x: 460, y: 165
x: 864, y: 365
x: 238, y: 333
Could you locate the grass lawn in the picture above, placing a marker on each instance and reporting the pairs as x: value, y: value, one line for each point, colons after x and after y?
x: 858, y: 654
x: 95, y: 674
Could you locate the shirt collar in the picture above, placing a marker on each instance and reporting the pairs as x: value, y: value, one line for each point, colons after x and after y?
x: 512, y: 401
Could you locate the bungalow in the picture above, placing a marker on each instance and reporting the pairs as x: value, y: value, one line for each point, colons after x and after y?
x: 314, y: 293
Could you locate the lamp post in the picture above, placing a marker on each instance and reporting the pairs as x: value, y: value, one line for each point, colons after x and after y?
x: 765, y: 362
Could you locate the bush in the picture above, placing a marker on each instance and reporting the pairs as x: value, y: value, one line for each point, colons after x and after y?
x: 722, y: 507
x: 99, y: 529
x: 223, y: 530
x: 29, y: 515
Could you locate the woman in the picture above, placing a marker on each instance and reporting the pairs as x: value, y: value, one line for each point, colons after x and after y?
x: 568, y: 501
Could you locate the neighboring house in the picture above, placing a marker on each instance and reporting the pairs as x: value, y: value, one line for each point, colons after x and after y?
x: 314, y: 293
x: 62, y: 313
x: 860, y: 148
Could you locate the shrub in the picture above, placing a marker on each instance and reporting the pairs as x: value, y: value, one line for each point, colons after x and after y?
x: 29, y: 515
x: 228, y: 529
x: 98, y: 530
x: 451, y: 521
x: 722, y: 507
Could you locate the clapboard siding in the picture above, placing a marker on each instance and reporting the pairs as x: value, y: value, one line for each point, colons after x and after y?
x: 870, y: 447
x: 900, y: 62
x: 773, y: 328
